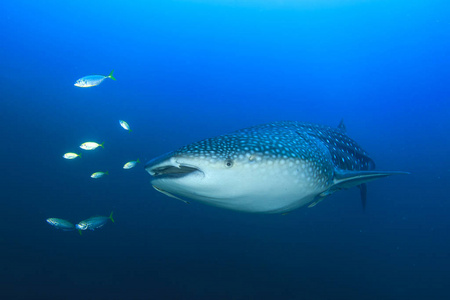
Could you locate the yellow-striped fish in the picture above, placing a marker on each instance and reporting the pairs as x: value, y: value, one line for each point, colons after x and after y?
x: 93, y: 80
x: 91, y: 145
x: 99, y: 174
x: 125, y: 125
x: 131, y: 164
x: 71, y: 155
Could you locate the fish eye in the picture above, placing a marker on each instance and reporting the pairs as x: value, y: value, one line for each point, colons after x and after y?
x: 228, y: 163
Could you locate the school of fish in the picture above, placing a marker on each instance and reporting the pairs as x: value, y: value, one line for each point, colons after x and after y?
x: 95, y: 222
x: 91, y: 223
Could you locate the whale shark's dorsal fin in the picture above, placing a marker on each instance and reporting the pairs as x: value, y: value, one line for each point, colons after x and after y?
x: 341, y: 126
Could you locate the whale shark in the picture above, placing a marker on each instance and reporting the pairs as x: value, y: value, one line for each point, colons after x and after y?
x: 269, y: 168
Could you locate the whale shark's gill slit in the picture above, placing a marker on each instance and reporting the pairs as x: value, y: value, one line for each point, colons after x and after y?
x: 173, y: 171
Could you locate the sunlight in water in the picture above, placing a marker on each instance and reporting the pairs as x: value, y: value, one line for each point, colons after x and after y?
x: 314, y: 4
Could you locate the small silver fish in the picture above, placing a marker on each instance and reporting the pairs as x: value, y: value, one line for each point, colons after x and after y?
x: 93, y: 80
x: 94, y: 222
x: 91, y: 145
x: 131, y: 164
x: 71, y: 155
x: 61, y: 224
x: 125, y: 125
x: 99, y: 174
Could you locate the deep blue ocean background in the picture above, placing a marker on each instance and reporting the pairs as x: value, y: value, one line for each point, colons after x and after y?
x: 189, y: 70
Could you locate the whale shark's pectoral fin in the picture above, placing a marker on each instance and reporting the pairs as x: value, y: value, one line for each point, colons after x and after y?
x: 347, y: 179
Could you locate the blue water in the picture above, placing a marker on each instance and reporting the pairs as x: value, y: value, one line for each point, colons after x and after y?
x: 188, y: 70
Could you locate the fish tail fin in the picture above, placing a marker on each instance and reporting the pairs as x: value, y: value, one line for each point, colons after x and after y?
x: 101, y: 145
x: 111, y: 218
x: 129, y: 130
x: 79, y: 154
x: 106, y: 173
x: 79, y: 230
x: 111, y: 75
x: 137, y: 161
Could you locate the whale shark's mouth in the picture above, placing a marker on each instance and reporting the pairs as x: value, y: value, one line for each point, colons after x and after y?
x: 170, y: 166
x: 172, y: 171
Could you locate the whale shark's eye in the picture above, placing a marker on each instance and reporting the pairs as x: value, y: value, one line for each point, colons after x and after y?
x: 228, y: 163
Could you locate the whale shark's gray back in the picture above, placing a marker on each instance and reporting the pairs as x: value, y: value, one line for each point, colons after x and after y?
x: 345, y: 153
